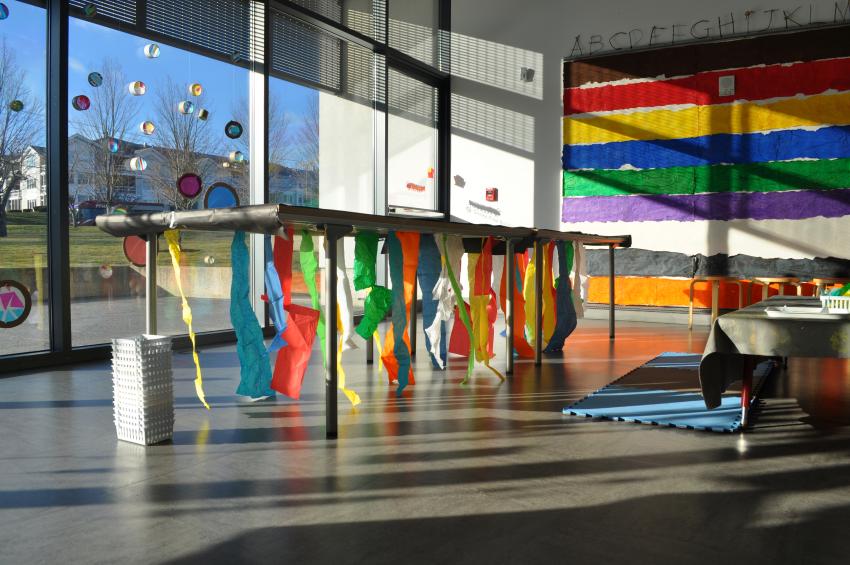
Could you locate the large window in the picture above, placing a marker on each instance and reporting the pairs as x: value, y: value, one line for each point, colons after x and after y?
x: 24, y: 314
x: 412, y: 144
x: 322, y: 103
x: 153, y: 114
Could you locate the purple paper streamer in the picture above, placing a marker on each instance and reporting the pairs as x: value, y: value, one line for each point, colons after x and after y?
x: 790, y: 205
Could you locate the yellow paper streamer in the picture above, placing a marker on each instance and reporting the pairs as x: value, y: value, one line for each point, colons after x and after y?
x: 480, y: 319
x: 376, y: 339
x: 745, y: 117
x: 548, y: 296
x: 352, y: 396
x: 173, y: 239
x: 530, y: 301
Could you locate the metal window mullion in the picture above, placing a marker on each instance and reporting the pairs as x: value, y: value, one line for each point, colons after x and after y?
x: 59, y: 272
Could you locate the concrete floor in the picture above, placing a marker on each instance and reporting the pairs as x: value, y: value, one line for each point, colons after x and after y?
x: 487, y: 473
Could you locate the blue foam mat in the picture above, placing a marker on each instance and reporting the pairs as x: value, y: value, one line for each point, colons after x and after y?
x: 681, y: 409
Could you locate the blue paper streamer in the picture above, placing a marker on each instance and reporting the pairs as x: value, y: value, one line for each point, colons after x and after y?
x: 783, y: 145
x: 565, y: 317
x: 428, y: 272
x: 255, y: 370
x: 274, y: 293
x: 402, y: 355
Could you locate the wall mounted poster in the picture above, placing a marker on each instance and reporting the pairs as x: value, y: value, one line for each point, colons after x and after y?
x: 728, y: 158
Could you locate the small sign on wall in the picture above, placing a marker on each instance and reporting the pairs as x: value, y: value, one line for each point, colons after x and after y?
x: 726, y: 85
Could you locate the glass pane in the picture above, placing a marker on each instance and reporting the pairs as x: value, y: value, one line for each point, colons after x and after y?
x: 321, y: 120
x: 157, y: 128
x: 23, y: 188
x: 414, y: 27
x: 412, y: 144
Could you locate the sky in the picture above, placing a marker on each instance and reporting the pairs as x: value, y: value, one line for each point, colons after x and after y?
x: 224, y: 85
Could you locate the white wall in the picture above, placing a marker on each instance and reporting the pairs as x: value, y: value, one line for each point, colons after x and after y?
x: 493, y: 39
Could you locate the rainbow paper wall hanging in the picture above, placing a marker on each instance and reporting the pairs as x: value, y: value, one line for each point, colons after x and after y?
x: 725, y: 148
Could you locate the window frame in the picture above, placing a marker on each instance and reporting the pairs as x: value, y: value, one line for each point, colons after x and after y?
x: 56, y: 165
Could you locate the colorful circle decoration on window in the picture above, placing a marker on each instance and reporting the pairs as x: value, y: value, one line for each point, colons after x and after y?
x: 119, y: 211
x: 233, y: 129
x: 81, y: 102
x: 138, y: 164
x: 135, y: 250
x: 90, y: 10
x: 190, y: 185
x: 113, y: 145
x: 16, y: 105
x: 221, y: 195
x: 151, y: 50
x: 186, y: 107
x: 4, y: 11
x: 95, y: 79
x: 15, y: 304
x: 105, y: 271
x: 147, y: 127
x: 195, y: 89
x: 137, y: 88
x: 236, y: 157
x: 203, y: 114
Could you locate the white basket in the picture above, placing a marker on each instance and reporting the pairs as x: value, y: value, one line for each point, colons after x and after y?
x: 836, y: 304
x: 143, y: 389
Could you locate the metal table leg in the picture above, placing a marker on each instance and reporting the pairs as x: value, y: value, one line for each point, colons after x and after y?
x: 412, y: 324
x: 746, y: 390
x: 370, y: 350
x: 510, y: 271
x: 151, y: 249
x: 332, y: 234
x: 612, y: 278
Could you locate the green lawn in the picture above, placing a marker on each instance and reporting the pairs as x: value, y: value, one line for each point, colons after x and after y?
x: 90, y: 246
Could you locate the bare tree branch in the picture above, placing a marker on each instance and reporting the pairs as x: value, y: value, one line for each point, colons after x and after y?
x: 113, y: 112
x: 184, y: 144
x: 18, y: 130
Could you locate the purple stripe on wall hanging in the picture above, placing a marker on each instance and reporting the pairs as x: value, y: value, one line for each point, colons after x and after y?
x: 792, y: 205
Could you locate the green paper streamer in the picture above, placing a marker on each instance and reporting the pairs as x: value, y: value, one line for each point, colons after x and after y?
x: 309, y: 266
x: 461, y: 308
x: 375, y: 309
x: 823, y: 174
x: 365, y: 259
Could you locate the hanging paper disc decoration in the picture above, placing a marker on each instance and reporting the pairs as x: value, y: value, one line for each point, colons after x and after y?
x: 135, y: 250
x: 90, y: 10
x: 186, y: 107
x: 81, y: 102
x: 221, y: 195
x: 113, y: 145
x: 138, y: 164
x: 195, y: 89
x: 203, y: 114
x: 95, y: 79
x: 190, y: 185
x: 105, y: 271
x: 15, y: 304
x: 236, y: 157
x: 151, y: 50
x: 4, y: 11
x: 16, y: 105
x: 233, y: 129
x: 147, y: 127
x: 137, y: 88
